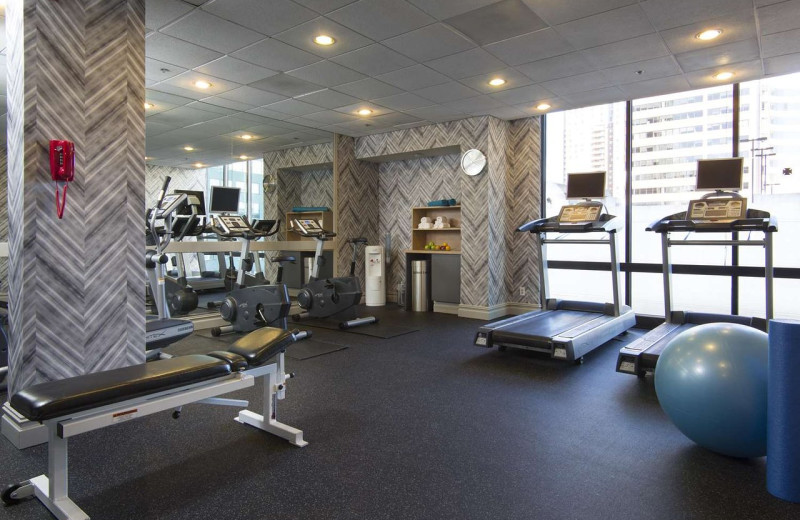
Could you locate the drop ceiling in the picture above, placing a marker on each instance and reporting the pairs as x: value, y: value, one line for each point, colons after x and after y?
x: 415, y: 62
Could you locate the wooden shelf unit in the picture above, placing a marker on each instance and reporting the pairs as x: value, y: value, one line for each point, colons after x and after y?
x: 451, y: 235
x: 325, y: 218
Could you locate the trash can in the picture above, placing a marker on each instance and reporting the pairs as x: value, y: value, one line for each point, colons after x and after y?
x: 308, y: 266
x: 419, y: 286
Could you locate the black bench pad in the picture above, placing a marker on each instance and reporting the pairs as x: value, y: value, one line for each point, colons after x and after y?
x: 262, y: 344
x: 76, y: 394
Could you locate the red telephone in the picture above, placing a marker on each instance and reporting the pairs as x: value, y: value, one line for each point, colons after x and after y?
x: 62, y: 169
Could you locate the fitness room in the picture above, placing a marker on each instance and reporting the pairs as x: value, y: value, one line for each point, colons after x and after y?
x: 400, y: 259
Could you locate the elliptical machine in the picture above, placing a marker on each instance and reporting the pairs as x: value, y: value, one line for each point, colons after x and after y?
x: 329, y: 297
x: 248, y: 308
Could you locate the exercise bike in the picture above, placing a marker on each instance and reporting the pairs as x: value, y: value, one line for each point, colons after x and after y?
x: 334, y: 298
x: 248, y: 308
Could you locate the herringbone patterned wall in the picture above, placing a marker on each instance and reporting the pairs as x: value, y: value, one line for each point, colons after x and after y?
x: 302, y: 188
x: 3, y: 217
x: 182, y: 179
x: 81, y: 308
x: 356, y: 196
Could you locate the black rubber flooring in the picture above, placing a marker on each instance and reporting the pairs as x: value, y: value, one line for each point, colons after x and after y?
x: 421, y: 426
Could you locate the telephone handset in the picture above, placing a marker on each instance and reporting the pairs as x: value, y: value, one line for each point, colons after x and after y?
x: 62, y: 169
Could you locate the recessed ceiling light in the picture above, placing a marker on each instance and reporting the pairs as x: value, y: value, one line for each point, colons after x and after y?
x: 148, y: 106
x: 188, y: 148
x: 364, y: 112
x: 709, y: 34
x: 198, y: 165
x: 722, y: 76
x: 324, y: 39
x: 243, y: 157
x: 203, y: 84
x: 542, y: 106
x: 146, y: 158
x: 246, y: 137
x: 496, y: 82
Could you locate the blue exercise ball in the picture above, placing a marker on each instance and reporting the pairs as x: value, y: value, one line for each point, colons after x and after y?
x: 711, y: 380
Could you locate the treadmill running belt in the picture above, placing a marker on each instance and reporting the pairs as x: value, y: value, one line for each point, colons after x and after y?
x: 650, y: 356
x: 541, y: 326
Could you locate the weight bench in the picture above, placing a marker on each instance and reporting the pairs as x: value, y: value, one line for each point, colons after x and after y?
x: 89, y: 402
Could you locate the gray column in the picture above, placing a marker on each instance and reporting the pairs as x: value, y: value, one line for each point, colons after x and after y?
x: 75, y: 72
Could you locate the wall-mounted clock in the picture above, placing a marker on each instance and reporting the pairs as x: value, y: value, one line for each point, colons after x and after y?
x: 270, y: 182
x: 473, y: 162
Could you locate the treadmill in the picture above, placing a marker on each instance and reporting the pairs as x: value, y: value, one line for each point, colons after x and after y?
x: 720, y: 211
x: 567, y: 330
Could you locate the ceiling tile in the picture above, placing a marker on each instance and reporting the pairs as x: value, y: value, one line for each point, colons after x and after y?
x: 373, y: 60
x: 369, y: 88
x: 414, y: 78
x: 474, y: 104
x: 157, y: 107
x: 405, y: 101
x: 326, y: 73
x: 276, y: 16
x: 293, y: 107
x: 276, y: 55
x: 580, y: 83
x: 329, y: 117
x: 595, y: 97
x: 158, y: 13
x: 324, y: 6
x: 735, y: 52
x: 153, y: 95
x: 627, y: 51
x: 666, y: 14
x: 153, y: 128
x: 370, y: 18
x: 507, y: 113
x: 787, y: 42
x: 178, y: 52
x: 429, y: 42
x: 742, y: 72
x: 235, y: 70
x: 538, y: 45
x: 437, y: 113
x: 442, y: 9
x: 520, y: 95
x: 735, y: 27
x: 467, y: 63
x: 265, y: 112
x: 210, y: 31
x: 643, y: 70
x: 655, y: 87
x: 447, y: 92
x: 558, y: 67
x: 786, y: 64
x: 555, y: 12
x: 159, y: 71
x: 395, y: 118
x: 302, y: 36
x: 513, y: 78
x: 779, y: 17
x: 210, y: 107
x: 252, y: 96
x: 286, y: 85
x: 165, y: 87
x: 183, y: 116
x: 619, y: 24
x: 497, y: 22
x: 187, y: 79
x: 228, y: 103
x: 329, y: 99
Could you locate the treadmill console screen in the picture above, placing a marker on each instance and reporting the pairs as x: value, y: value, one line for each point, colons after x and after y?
x: 580, y: 213
x: 719, y: 174
x: 590, y: 185
x: 717, y: 210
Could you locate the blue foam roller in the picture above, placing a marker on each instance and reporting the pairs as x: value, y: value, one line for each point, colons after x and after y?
x: 783, y: 410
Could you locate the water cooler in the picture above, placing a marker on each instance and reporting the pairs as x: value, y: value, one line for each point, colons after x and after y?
x: 375, y: 264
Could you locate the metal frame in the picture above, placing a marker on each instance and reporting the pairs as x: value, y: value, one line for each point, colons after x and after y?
x: 52, y: 488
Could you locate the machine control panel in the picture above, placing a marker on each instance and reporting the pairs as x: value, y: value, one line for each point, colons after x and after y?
x: 233, y: 224
x: 717, y: 210
x: 170, y: 203
x: 580, y: 213
x: 306, y: 226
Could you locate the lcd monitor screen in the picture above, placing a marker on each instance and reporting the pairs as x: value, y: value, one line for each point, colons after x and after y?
x: 224, y: 200
x: 719, y: 174
x: 590, y: 185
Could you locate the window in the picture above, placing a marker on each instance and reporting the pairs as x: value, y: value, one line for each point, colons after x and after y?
x: 248, y: 177
x: 584, y: 140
